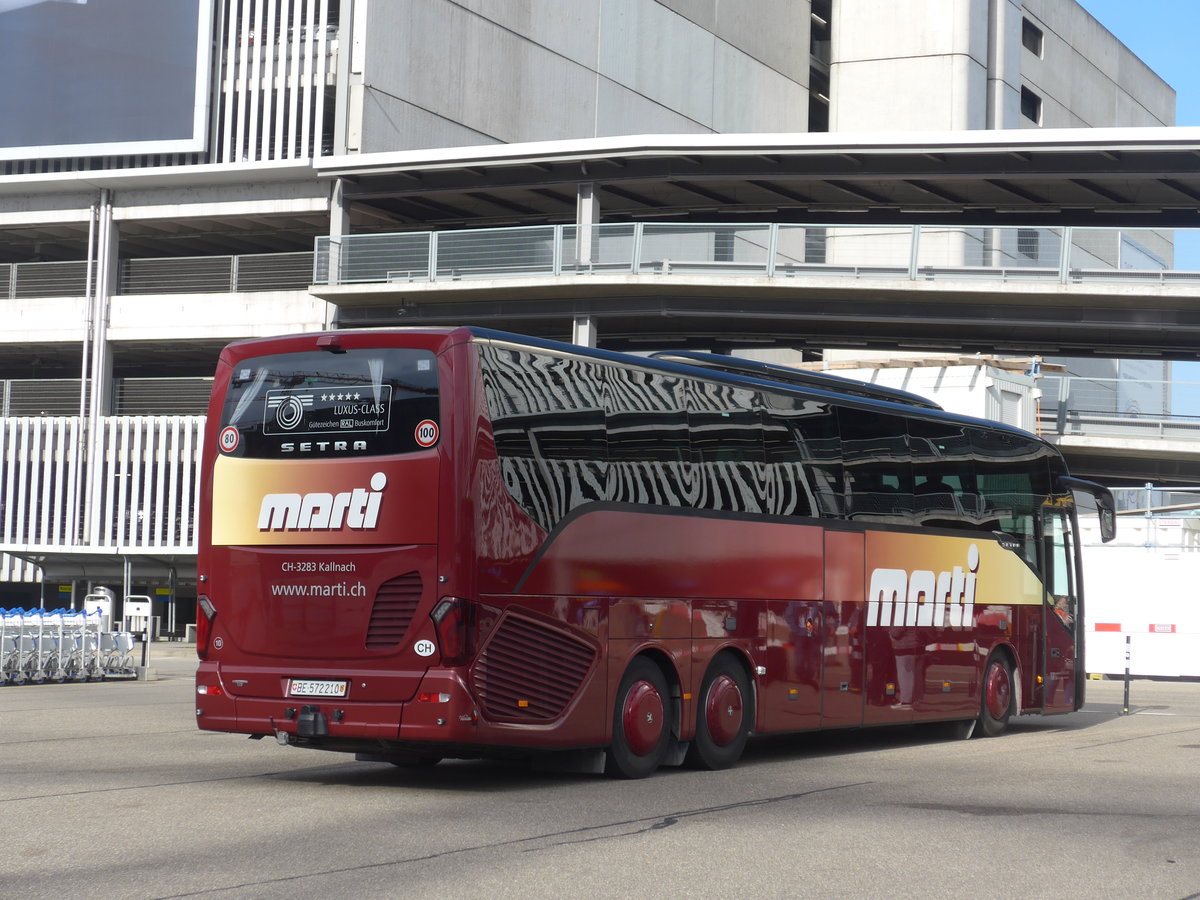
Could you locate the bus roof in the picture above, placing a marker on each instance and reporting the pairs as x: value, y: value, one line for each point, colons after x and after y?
x: 746, y: 372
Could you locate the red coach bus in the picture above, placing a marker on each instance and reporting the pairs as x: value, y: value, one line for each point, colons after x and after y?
x: 428, y: 543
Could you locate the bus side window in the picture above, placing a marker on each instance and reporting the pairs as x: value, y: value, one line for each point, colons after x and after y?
x: 944, y: 488
x: 804, y: 456
x: 548, y: 426
x: 1013, y: 476
x: 878, y: 466
x: 649, y: 451
x: 726, y: 434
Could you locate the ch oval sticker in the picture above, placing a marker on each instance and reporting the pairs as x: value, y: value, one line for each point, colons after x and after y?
x: 424, y: 648
x: 427, y: 432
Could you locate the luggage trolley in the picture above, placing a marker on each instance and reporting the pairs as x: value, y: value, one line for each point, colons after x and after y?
x: 37, y: 645
x: 12, y: 670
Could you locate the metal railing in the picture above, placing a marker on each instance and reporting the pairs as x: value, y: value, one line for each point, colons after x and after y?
x: 1078, y: 405
x: 168, y: 275
x: 770, y: 250
x: 216, y: 274
x: 131, y: 396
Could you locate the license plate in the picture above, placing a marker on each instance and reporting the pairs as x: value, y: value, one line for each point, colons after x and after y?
x: 300, y: 687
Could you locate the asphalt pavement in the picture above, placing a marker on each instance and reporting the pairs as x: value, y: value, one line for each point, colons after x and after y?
x: 110, y: 791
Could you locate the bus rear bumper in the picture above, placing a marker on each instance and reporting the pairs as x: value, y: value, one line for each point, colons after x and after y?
x: 442, y: 711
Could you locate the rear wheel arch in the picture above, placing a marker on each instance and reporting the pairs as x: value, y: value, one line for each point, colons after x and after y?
x: 999, y: 692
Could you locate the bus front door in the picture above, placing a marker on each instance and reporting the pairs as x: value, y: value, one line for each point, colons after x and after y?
x: 1060, y: 612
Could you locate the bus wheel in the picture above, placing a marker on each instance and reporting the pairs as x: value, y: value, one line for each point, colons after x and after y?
x: 641, y: 722
x: 724, y: 716
x: 997, y: 701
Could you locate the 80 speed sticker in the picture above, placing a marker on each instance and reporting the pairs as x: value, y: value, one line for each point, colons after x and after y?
x: 229, y: 439
x: 426, y: 433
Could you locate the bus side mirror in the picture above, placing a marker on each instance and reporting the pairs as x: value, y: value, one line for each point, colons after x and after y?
x: 1106, y: 507
x: 1108, y: 521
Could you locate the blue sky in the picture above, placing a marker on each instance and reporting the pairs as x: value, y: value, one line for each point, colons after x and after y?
x: 1163, y: 34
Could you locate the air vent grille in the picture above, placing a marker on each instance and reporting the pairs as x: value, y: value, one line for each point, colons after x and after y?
x: 395, y: 604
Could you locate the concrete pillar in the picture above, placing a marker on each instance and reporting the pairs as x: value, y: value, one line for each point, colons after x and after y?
x: 583, y: 331
x: 107, y: 244
x: 587, y: 214
x: 100, y: 387
x: 339, y: 229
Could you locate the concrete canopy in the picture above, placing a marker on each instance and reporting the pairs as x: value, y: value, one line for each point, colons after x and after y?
x: 1148, y: 177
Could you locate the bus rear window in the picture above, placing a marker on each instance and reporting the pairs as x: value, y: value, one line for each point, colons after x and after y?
x: 364, y: 402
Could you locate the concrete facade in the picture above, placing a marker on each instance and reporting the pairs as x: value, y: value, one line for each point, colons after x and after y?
x: 570, y: 70
x: 928, y: 65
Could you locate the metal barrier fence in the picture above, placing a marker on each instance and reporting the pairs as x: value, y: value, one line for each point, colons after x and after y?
x: 141, y: 492
x: 61, y: 645
x: 771, y: 250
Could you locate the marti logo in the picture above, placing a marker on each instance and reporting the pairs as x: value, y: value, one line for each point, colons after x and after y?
x: 897, y: 597
x: 357, y: 509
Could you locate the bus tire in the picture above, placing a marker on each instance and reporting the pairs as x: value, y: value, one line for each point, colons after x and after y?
x: 724, y: 716
x: 642, y: 716
x: 996, y: 702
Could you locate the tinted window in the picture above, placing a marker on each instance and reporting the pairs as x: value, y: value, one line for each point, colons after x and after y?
x: 572, y: 431
x: 804, y: 454
x: 649, y: 447
x: 361, y: 402
x: 727, y: 447
x: 878, y: 473
x: 549, y: 428
x: 1013, y: 475
x: 943, y: 466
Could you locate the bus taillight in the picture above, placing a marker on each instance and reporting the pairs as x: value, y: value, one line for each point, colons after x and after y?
x: 450, y: 621
x: 206, y: 613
